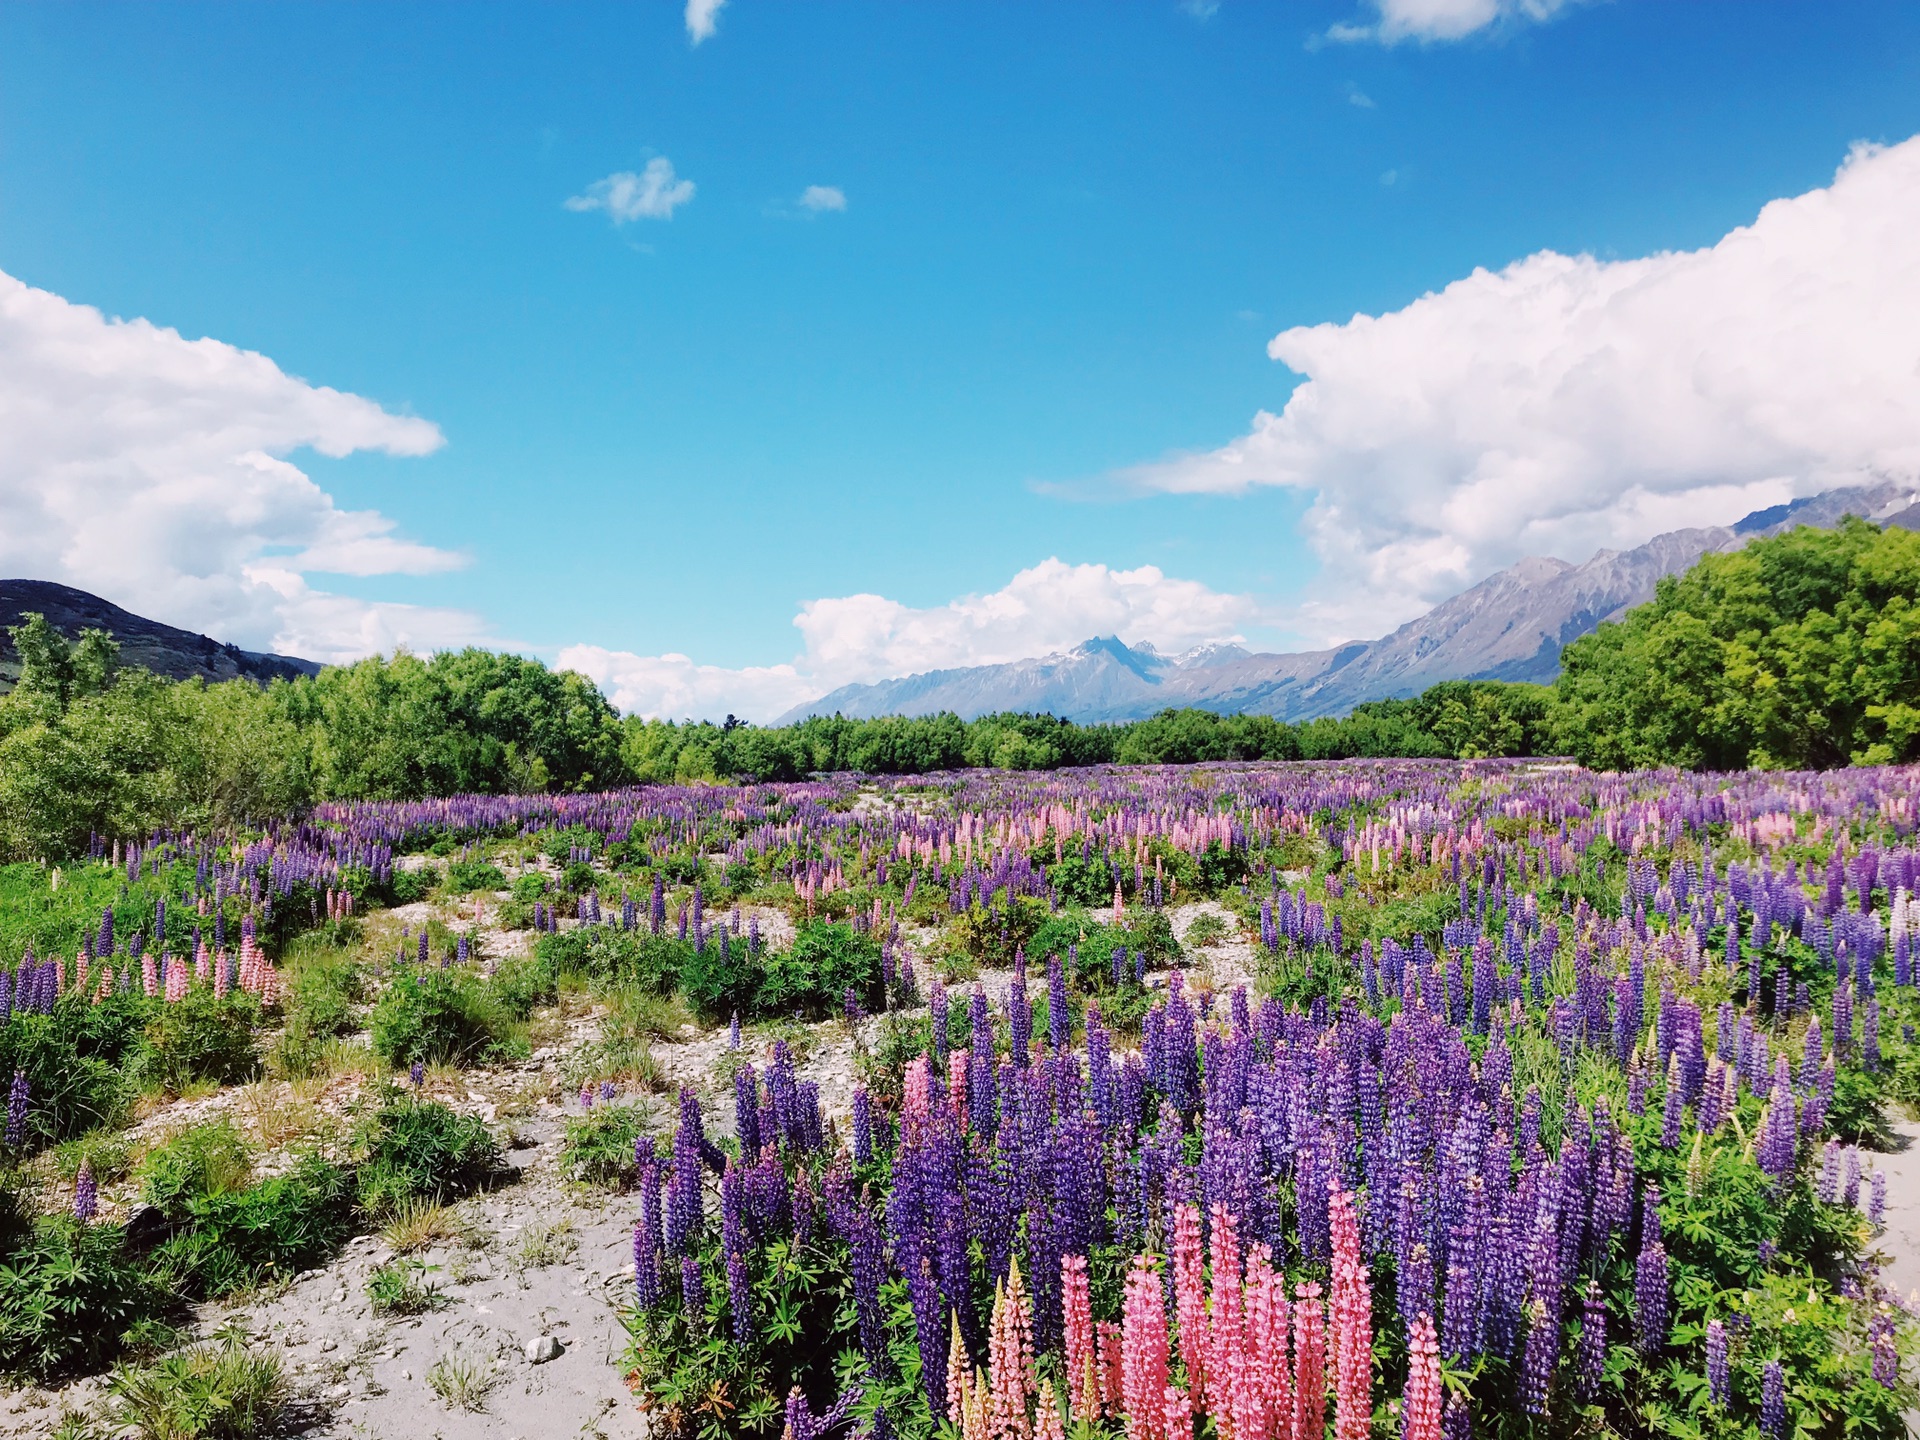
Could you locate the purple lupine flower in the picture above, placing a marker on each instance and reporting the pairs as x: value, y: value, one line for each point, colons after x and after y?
x: 17, y: 1097
x: 1877, y: 1199
x: 1652, y: 1298
x: 86, y: 1194
x: 1717, y: 1384
x: 862, y: 1126
x: 608, y: 1090
x: 937, y: 1010
x: 1885, y: 1350
x: 733, y: 1032
x: 1773, y: 1399
x: 693, y: 1289
x: 1059, y: 1020
x: 1536, y: 1368
x: 1590, y: 1360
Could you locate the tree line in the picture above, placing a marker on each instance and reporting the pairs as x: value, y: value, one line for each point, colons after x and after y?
x: 1802, y: 650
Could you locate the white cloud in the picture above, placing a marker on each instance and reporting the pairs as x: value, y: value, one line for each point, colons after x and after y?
x: 823, y: 197
x: 653, y: 194
x: 1201, y: 9
x: 150, y: 469
x: 1049, y: 607
x: 702, y: 18
x: 1431, y: 20
x: 1566, y: 403
x: 1359, y: 98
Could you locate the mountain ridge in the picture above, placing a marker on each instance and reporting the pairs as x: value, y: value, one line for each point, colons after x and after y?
x: 1510, y: 626
x: 166, y: 650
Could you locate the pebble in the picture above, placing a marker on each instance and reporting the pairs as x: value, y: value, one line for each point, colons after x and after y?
x: 339, y: 1294
x: 542, y: 1348
x: 329, y: 1344
x: 406, y: 1374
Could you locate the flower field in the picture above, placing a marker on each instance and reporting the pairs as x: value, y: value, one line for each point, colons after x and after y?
x: 1489, y: 1098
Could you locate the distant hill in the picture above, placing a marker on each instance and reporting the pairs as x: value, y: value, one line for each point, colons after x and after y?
x: 176, y: 654
x: 1511, y: 626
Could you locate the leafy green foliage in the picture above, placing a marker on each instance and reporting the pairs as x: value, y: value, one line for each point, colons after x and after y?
x: 68, y: 1294
x: 464, y: 876
x: 442, y: 1017
x: 828, y: 959
x: 598, y: 1148
x: 237, y: 1239
x: 75, y: 1062
x: 199, y: 1038
x: 403, y: 1287
x: 1802, y: 650
x: 225, y: 1390
x: 417, y: 1149
x: 200, y: 1162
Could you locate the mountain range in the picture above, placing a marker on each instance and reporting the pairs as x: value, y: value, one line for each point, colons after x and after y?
x: 1511, y: 626
x: 175, y: 654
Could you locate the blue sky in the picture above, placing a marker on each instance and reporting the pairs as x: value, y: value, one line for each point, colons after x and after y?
x: 1069, y: 234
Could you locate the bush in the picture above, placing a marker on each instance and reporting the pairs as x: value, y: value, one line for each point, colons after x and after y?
x: 198, y: 1163
x: 422, y: 1150
x: 73, y: 1060
x: 524, y: 983
x: 240, y: 1238
x: 530, y: 887
x: 607, y: 955
x: 598, y: 1149
x: 69, y: 1293
x: 199, y: 1038
x: 812, y: 979
x: 401, y: 1287
x: 719, y: 982
x: 465, y: 876
x: 410, y: 886
x: 441, y: 1017
x: 228, y: 1390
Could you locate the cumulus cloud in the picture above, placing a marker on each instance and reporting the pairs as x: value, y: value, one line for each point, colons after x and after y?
x: 1565, y: 404
x: 823, y: 197
x: 1049, y: 607
x: 151, y: 469
x: 652, y: 194
x: 703, y: 17
x: 1427, y: 21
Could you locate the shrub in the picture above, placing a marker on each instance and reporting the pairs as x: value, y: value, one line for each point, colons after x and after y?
x: 401, y: 1287
x: 421, y: 1149
x: 199, y: 1038
x: 69, y: 1293
x: 200, y: 1162
x: 237, y: 1239
x: 409, y: 886
x: 813, y: 977
x: 73, y: 1062
x: 464, y: 876
x: 530, y: 887
x: 598, y: 1149
x: 579, y: 877
x: 524, y: 983
x: 607, y: 955
x: 719, y: 981
x: 441, y: 1017
x: 228, y: 1390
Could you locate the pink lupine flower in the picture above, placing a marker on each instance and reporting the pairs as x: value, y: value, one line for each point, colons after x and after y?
x: 1268, y: 1321
x: 149, y: 976
x: 1076, y: 1313
x: 203, y: 962
x: 176, y: 980
x: 916, y: 1088
x: 1179, y: 1414
x: 1352, y: 1324
x: 957, y: 1084
x: 1143, y: 1357
x: 1420, y: 1406
x: 1010, y: 1357
x: 1309, y: 1362
x: 1190, y: 1300
x: 1049, y: 1425
x: 1112, y: 1388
